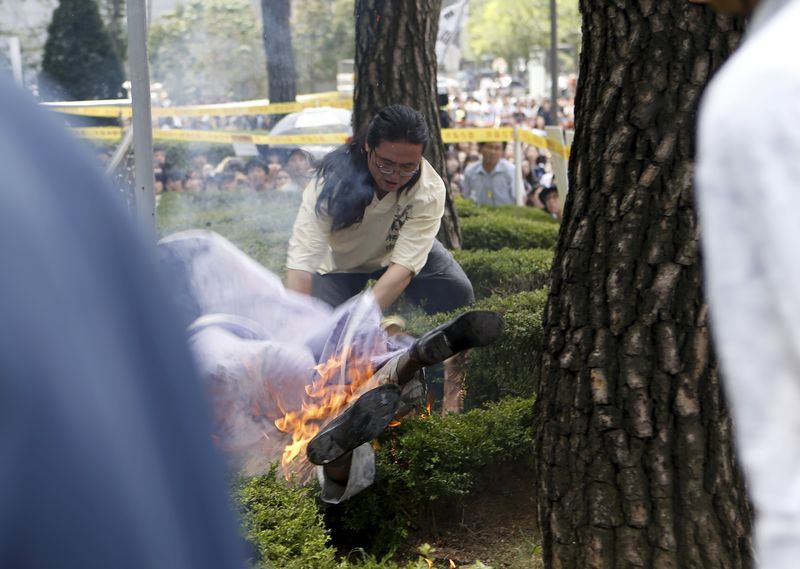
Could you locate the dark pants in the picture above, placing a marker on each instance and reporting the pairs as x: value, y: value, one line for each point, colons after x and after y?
x: 441, y: 285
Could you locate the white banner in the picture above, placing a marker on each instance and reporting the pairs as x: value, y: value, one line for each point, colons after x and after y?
x: 449, y: 26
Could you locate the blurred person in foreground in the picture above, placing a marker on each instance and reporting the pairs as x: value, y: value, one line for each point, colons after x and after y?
x: 372, y: 213
x: 105, y: 455
x: 750, y: 236
x: 490, y: 181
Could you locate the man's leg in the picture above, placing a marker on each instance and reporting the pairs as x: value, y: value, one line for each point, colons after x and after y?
x: 442, y: 286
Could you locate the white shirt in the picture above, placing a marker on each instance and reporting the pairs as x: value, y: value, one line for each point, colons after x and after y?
x: 398, y: 229
x: 749, y: 201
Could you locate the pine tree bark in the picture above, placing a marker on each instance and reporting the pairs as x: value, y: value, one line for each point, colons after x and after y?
x: 275, y: 16
x: 634, y: 447
x: 395, y: 62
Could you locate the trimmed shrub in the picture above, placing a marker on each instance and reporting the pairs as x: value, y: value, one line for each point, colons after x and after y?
x: 522, y: 212
x: 507, y: 271
x: 283, y: 524
x: 504, y: 369
x: 427, y: 467
x: 259, y: 224
x: 467, y: 208
x: 496, y: 232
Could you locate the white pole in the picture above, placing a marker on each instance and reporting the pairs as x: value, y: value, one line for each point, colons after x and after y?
x: 142, y: 118
x: 15, y: 55
x: 519, y: 185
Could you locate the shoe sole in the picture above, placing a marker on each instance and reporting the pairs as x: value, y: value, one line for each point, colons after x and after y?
x: 473, y: 329
x: 363, y: 421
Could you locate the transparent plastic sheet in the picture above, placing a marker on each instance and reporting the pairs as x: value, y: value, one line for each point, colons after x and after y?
x: 257, y: 346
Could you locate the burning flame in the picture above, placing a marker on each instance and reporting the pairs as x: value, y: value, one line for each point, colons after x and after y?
x: 327, y: 396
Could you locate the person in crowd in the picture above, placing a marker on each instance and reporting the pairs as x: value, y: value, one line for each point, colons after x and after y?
x: 104, y: 446
x: 528, y: 181
x: 453, y: 171
x: 548, y: 196
x: 229, y: 181
x: 373, y: 214
x: 194, y: 181
x: 299, y: 167
x: 198, y: 159
x: 258, y: 177
x: 159, y: 183
x: 490, y: 181
x: 174, y: 181
x: 274, y: 161
x: 547, y: 113
x: 749, y: 234
x: 284, y: 183
x: 231, y: 175
x: 159, y: 157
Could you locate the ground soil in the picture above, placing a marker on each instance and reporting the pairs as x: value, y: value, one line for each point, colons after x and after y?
x: 497, y: 528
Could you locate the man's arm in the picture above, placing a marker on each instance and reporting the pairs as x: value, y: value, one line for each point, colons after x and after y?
x: 298, y: 281
x: 391, y: 285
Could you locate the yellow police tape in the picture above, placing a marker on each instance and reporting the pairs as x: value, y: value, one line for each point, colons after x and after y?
x: 123, y: 110
x: 449, y: 135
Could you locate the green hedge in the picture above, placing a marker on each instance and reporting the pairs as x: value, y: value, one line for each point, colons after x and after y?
x: 282, y: 524
x: 506, y: 271
x: 496, y: 232
x: 504, y: 369
x: 467, y: 208
x: 427, y: 467
x: 259, y: 224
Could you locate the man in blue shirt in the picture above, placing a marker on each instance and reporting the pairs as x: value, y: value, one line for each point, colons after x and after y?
x: 490, y: 181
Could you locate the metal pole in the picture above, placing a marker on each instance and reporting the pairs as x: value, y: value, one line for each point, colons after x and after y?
x: 553, y: 61
x: 14, y: 54
x: 519, y: 184
x: 142, y: 118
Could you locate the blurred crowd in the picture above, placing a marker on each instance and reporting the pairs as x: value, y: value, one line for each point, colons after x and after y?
x: 484, y: 172
x: 278, y: 171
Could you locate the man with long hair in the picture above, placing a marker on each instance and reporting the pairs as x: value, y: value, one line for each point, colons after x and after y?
x: 372, y: 213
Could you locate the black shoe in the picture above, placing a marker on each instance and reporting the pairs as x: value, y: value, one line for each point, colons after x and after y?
x: 470, y: 330
x: 363, y: 421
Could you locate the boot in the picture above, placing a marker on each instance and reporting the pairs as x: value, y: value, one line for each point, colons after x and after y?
x: 363, y: 421
x: 469, y: 330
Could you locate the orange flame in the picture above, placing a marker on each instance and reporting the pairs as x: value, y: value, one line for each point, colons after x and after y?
x: 327, y: 396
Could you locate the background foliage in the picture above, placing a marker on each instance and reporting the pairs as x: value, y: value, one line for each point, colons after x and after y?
x: 80, y: 61
x: 209, y: 51
x: 323, y: 34
x: 518, y: 30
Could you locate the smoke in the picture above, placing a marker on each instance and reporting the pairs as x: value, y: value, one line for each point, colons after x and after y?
x: 256, y: 344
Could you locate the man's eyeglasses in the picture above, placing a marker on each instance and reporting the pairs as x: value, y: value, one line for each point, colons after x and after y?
x: 389, y: 167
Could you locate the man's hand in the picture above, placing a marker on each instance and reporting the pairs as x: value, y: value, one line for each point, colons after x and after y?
x: 391, y: 285
x: 298, y: 281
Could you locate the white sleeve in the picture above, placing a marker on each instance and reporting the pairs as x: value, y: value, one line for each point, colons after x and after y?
x: 310, y: 235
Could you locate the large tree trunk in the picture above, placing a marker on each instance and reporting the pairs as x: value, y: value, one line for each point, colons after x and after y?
x: 635, y: 456
x: 396, y: 63
x: 275, y: 15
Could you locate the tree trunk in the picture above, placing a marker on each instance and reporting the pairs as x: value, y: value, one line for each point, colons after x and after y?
x: 115, y: 10
x: 634, y: 447
x: 395, y: 62
x: 275, y: 15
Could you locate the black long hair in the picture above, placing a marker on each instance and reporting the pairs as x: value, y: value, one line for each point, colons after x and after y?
x: 347, y: 187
